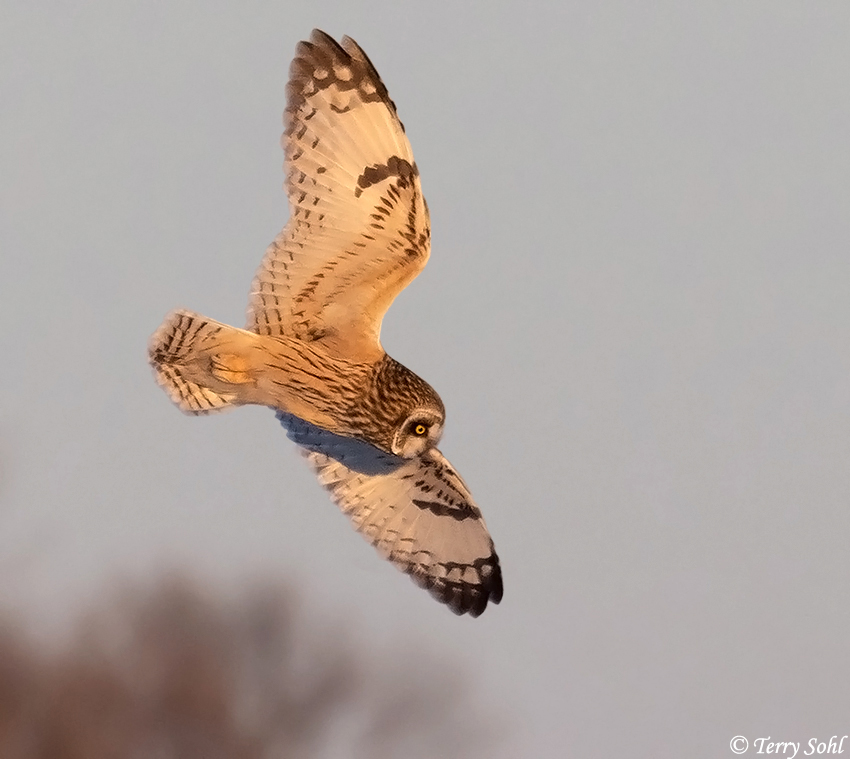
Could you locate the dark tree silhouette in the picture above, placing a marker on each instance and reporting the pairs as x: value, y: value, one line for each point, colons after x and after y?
x: 177, y: 674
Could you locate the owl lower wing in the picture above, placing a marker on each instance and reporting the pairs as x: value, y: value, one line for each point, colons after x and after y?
x: 358, y: 231
x: 418, y: 513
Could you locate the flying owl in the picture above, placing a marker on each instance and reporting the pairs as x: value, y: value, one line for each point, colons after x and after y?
x: 357, y: 235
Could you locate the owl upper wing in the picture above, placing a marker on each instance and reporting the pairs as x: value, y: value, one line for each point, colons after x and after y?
x: 418, y: 513
x: 358, y: 231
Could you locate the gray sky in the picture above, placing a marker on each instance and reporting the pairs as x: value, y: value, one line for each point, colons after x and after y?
x: 636, y: 312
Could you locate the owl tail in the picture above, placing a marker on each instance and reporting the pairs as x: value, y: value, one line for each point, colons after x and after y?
x: 201, y: 364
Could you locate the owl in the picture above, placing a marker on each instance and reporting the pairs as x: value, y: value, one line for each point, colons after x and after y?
x: 358, y: 234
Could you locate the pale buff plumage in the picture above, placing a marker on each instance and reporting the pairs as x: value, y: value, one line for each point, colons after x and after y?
x: 358, y: 234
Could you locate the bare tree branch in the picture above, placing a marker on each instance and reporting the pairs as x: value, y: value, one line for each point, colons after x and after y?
x: 177, y: 674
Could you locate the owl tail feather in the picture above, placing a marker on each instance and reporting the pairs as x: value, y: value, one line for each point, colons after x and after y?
x: 197, y: 362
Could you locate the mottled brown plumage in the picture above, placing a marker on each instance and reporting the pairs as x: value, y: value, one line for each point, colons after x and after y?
x: 358, y: 233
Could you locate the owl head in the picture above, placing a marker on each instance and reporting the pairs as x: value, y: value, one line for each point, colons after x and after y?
x: 412, y: 411
x: 419, y: 431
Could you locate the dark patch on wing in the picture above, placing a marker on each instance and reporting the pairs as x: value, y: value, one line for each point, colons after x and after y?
x: 394, y: 167
x: 459, y: 512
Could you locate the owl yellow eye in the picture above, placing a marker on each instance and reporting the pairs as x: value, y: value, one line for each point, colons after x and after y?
x: 420, y: 429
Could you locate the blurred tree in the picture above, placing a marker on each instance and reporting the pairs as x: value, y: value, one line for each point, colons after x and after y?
x: 176, y: 674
